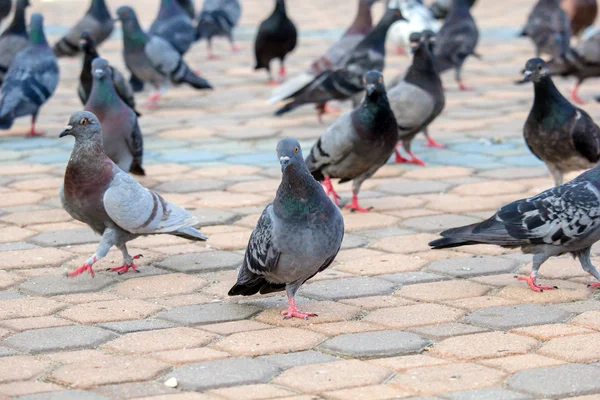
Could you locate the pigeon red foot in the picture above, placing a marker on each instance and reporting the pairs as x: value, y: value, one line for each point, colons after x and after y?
x: 152, y: 102
x: 282, y: 73
x: 292, y: 311
x: 594, y: 285
x: 122, y: 269
x: 464, y: 88
x: 330, y: 191
x: 85, y: 267
x: 530, y: 279
x: 413, y: 159
x: 575, y: 97
x: 433, y: 143
x: 400, y: 51
x: 354, y: 205
x: 32, y: 132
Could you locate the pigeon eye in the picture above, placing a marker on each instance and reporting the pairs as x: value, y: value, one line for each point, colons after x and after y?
x: 380, y: 80
x: 539, y: 67
x: 296, y: 149
x: 276, y: 150
x: 83, y: 122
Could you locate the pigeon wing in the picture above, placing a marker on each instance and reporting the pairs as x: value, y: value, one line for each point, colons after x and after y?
x: 586, y: 136
x: 334, y: 145
x: 162, y: 55
x: 261, y: 255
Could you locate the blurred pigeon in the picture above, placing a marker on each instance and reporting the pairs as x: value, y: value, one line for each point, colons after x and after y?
x: 97, y: 21
x: 174, y: 25
x: 549, y: 28
x: 218, y: 18
x: 419, y: 97
x: 297, y: 236
x: 5, y: 6
x: 441, y: 8
x: 563, y: 136
x: 14, y: 38
x: 561, y: 220
x: 30, y: 80
x: 335, y: 54
x: 111, y: 202
x: 418, y: 19
x: 84, y: 89
x: 347, y: 80
x: 123, y: 142
x: 188, y: 7
x: 456, y: 40
x: 275, y: 39
x: 357, y: 144
x: 581, y: 14
x: 153, y: 59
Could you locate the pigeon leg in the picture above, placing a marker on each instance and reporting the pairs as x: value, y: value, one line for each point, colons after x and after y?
x: 106, y: 242
x: 32, y: 132
x: 415, y: 160
x: 211, y: 53
x: 461, y: 86
x: 272, y: 82
x: 538, y: 260
x: 586, y: 264
x: 400, y: 51
x: 282, y: 72
x: 152, y: 102
x: 556, y: 174
x: 399, y: 159
x: 574, y: 96
x: 329, y: 190
x: 431, y: 142
x: 292, y: 311
x: 354, y: 205
x: 331, y: 110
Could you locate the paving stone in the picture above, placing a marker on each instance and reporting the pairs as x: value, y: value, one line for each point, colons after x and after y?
x: 411, y: 278
x: 513, y: 364
x: 484, y: 345
x: 474, y: 266
x: 208, y: 313
x: 375, y: 344
x: 212, y: 216
x: 188, y: 186
x: 5, y: 351
x: 572, y: 349
x: 509, y: 317
x: 278, y: 340
x: 232, y: 372
x: 9, y: 295
x: 188, y: 356
x: 368, y: 392
x: 413, y: 315
x: 347, y: 288
x: 160, y: 286
x: 52, y: 285
x: 409, y: 187
x: 160, y: 340
x: 136, y: 325
x: 443, y: 331
x: 289, y: 360
x: 446, y: 290
x: 58, y: 339
x: 109, y: 311
x: 65, y: 395
x: 20, y: 368
x: 65, y: 238
x: 134, y: 389
x: 438, y: 223
x: 23, y: 324
x: 202, y: 262
x: 487, y: 394
x: 579, y: 306
x: 28, y: 307
x: 557, y: 382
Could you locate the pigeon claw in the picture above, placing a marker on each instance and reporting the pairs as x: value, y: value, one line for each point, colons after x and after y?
x: 122, y: 269
x: 594, y: 285
x: 354, y: 205
x: 531, y: 282
x: 34, y: 133
x: 463, y: 88
x: 273, y: 82
x: 80, y: 270
x: 292, y: 312
x: 328, y: 186
x: 433, y: 143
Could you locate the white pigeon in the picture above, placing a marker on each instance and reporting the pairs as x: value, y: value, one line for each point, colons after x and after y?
x: 418, y: 19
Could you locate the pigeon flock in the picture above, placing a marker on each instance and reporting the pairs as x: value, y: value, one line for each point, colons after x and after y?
x: 300, y: 233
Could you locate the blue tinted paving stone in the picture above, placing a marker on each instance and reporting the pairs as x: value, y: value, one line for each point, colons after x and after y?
x: 64, y: 238
x: 31, y: 143
x: 462, y: 160
x: 410, y: 278
x: 487, y: 394
x: 375, y: 344
x: 251, y: 159
x: 510, y: 317
x: 482, y: 147
x: 58, y: 339
x: 208, y: 313
x: 231, y: 372
x: 51, y: 157
x: 9, y: 295
x: 290, y: 360
x: 557, y: 382
x: 136, y: 325
x: 16, y: 246
x: 347, y: 288
x: 189, y: 156
x: 473, y: 266
x: 580, y: 306
x: 410, y: 187
x: 526, y: 160
x: 188, y: 186
x: 52, y: 285
x: 4, y: 351
x: 202, y: 262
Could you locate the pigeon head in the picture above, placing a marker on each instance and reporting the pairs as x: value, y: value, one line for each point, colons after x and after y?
x: 36, y: 30
x: 23, y: 3
x: 373, y: 82
x: 289, y: 152
x: 82, y: 125
x: 280, y: 6
x: 125, y: 13
x: 100, y: 69
x: 86, y: 42
x: 535, y: 70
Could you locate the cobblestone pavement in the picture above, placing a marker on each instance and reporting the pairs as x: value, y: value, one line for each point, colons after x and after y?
x: 395, y: 318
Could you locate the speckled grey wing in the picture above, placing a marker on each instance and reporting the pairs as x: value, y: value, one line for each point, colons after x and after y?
x: 336, y: 53
x: 162, y: 55
x: 334, y: 145
x: 412, y: 107
x: 10, y: 45
x: 138, y: 210
x: 261, y: 256
x: 231, y: 8
x: 123, y: 88
x: 177, y: 30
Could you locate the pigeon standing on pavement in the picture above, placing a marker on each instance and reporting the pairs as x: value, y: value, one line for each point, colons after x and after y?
x: 100, y: 194
x: 418, y: 98
x: 357, y: 144
x: 297, y: 236
x: 561, y: 220
x: 122, y: 141
x: 456, y: 40
x: 174, y: 25
x: 153, y: 59
x: 188, y: 7
x: 218, y: 18
x: 418, y: 19
x: 549, y: 28
x: 581, y: 14
x: 86, y: 79
x: 276, y: 38
x: 563, y: 136
x: 14, y: 39
x: 30, y: 80
x: 347, y: 80
x: 97, y: 21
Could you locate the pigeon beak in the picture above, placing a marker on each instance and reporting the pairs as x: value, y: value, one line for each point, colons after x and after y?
x: 66, y: 131
x: 98, y: 73
x: 284, y: 160
x: 527, y: 75
x: 370, y: 89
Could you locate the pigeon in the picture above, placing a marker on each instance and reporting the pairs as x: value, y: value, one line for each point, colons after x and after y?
x: 30, y: 80
x: 581, y: 14
x: 14, y: 39
x: 563, y: 136
x: 5, y: 6
x: 97, y: 21
x: 276, y: 38
x: 218, y: 18
x: 123, y: 142
x: 298, y: 235
x: 582, y: 62
x: 84, y: 89
x: 440, y: 8
x: 347, y: 80
x: 153, y: 59
x: 188, y: 7
x: 418, y: 19
x: 549, y: 28
x: 561, y: 220
x: 100, y: 194
x: 456, y: 40
x: 419, y: 97
x: 356, y: 32
x: 174, y: 25
x: 357, y: 144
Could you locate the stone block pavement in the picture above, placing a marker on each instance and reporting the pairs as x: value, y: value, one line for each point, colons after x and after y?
x: 396, y: 320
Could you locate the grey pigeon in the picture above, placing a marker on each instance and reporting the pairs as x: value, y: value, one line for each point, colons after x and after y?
x: 84, y: 89
x: 174, y: 25
x: 441, y: 8
x: 276, y: 37
x: 561, y: 220
x: 153, y: 59
x: 563, y: 136
x: 123, y: 141
x: 346, y: 80
x: 218, y: 18
x: 100, y: 194
x: 5, y: 6
x: 297, y: 236
x: 30, y: 80
x: 549, y: 28
x: 14, y: 39
x: 418, y: 98
x: 97, y: 21
x: 456, y: 40
x: 188, y: 7
x: 357, y: 144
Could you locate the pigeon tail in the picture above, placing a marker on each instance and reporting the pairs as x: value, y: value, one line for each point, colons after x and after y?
x: 259, y: 285
x: 64, y: 48
x: 136, y: 169
x: 285, y: 109
x: 183, y: 74
x: 448, y: 242
x: 190, y: 233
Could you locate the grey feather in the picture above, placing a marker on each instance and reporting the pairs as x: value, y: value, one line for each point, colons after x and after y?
x: 549, y: 28
x: 174, y: 25
x: 218, y: 18
x: 14, y: 39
